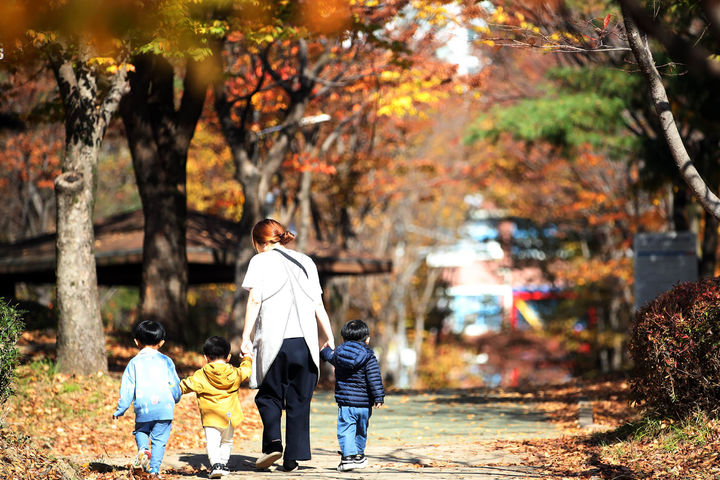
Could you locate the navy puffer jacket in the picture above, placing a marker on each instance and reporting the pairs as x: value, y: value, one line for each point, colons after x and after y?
x: 358, y: 382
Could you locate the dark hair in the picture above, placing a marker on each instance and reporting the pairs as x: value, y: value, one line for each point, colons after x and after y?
x: 216, y: 347
x: 149, y: 332
x: 355, y: 330
x: 270, y: 231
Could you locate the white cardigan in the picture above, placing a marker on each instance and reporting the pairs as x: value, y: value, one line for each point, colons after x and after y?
x: 287, y: 309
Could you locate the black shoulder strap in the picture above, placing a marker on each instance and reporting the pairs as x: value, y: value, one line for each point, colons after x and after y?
x: 292, y: 260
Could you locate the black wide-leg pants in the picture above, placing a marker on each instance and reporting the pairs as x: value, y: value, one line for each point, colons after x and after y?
x: 288, y: 385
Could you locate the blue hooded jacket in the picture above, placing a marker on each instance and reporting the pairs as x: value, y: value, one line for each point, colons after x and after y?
x: 151, y: 383
x: 358, y: 382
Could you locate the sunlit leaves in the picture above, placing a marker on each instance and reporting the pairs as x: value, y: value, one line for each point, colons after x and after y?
x: 211, y: 184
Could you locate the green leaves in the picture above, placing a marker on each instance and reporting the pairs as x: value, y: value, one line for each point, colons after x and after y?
x: 581, y: 107
x: 11, y: 325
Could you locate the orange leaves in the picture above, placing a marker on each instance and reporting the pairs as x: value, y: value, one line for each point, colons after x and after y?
x: 59, y: 411
x: 325, y: 16
x: 32, y: 156
x: 303, y: 162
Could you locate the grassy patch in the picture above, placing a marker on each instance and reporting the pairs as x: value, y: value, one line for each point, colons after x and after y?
x: 664, y: 449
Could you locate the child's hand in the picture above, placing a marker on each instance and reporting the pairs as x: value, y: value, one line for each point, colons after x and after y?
x: 246, y: 346
x: 378, y: 405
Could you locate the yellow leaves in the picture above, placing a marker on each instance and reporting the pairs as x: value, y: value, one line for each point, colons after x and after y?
x: 529, y: 27
x: 411, y: 92
x: 110, y: 64
x: 40, y: 39
x: 499, y: 16
x: 390, y: 75
x: 433, y: 14
x: 113, y: 69
x: 480, y: 29
x: 211, y: 185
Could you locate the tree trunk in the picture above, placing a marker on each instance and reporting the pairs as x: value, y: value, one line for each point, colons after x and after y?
x: 686, y: 167
x: 421, y: 311
x: 81, y: 341
x: 254, y: 175
x: 305, y: 222
x: 159, y: 137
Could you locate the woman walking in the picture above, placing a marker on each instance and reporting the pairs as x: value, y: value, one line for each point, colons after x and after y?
x: 285, y: 326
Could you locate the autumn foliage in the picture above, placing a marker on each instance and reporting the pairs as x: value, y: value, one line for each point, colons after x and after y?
x: 10, y: 327
x: 676, y: 348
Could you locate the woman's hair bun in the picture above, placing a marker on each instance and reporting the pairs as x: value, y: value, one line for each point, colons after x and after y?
x: 286, y: 237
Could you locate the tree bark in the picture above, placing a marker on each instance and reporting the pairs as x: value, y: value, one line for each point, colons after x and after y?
x: 81, y: 340
x: 304, y: 197
x: 159, y: 137
x: 688, y: 172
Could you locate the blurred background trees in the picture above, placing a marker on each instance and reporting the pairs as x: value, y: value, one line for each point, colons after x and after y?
x: 393, y: 129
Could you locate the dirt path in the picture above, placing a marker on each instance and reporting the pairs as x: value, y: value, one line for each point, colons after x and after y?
x: 446, y: 435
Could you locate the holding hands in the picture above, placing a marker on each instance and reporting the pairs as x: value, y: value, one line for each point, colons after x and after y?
x: 246, y: 347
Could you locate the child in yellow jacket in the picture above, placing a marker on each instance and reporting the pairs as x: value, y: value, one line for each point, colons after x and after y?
x: 216, y: 386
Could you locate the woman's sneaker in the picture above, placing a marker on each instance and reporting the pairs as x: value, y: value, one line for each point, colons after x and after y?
x: 360, y: 460
x: 347, y: 464
x: 267, y: 459
x: 142, y: 459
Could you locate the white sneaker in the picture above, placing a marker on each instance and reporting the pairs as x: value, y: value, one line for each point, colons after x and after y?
x: 360, y: 460
x: 142, y: 459
x: 218, y: 471
x: 267, y: 459
x: 347, y: 464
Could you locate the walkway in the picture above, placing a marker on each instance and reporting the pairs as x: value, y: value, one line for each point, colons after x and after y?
x: 441, y: 436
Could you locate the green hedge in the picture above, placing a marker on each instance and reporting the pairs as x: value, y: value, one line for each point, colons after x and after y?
x: 675, y: 346
x: 11, y: 326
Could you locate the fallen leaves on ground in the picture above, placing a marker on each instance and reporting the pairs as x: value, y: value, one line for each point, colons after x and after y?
x: 22, y: 459
x: 71, y: 416
x: 620, y: 445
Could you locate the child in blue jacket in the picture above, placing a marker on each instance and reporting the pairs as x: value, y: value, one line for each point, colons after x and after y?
x: 151, y: 382
x: 358, y: 387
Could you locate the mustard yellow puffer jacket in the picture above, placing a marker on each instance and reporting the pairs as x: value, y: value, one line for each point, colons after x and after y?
x: 216, y: 386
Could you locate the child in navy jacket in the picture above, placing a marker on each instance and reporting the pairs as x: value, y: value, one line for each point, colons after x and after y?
x: 358, y: 387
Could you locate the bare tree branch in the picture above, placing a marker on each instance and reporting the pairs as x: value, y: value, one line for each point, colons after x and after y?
x: 641, y: 50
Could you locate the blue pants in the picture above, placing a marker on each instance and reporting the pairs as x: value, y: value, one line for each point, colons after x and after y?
x: 158, y: 433
x: 352, y: 425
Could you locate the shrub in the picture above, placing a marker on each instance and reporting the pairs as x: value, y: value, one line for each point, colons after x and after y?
x: 11, y: 326
x: 675, y: 345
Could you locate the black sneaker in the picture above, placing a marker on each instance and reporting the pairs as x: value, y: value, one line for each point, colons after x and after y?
x: 290, y: 465
x: 360, y: 460
x: 347, y: 464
